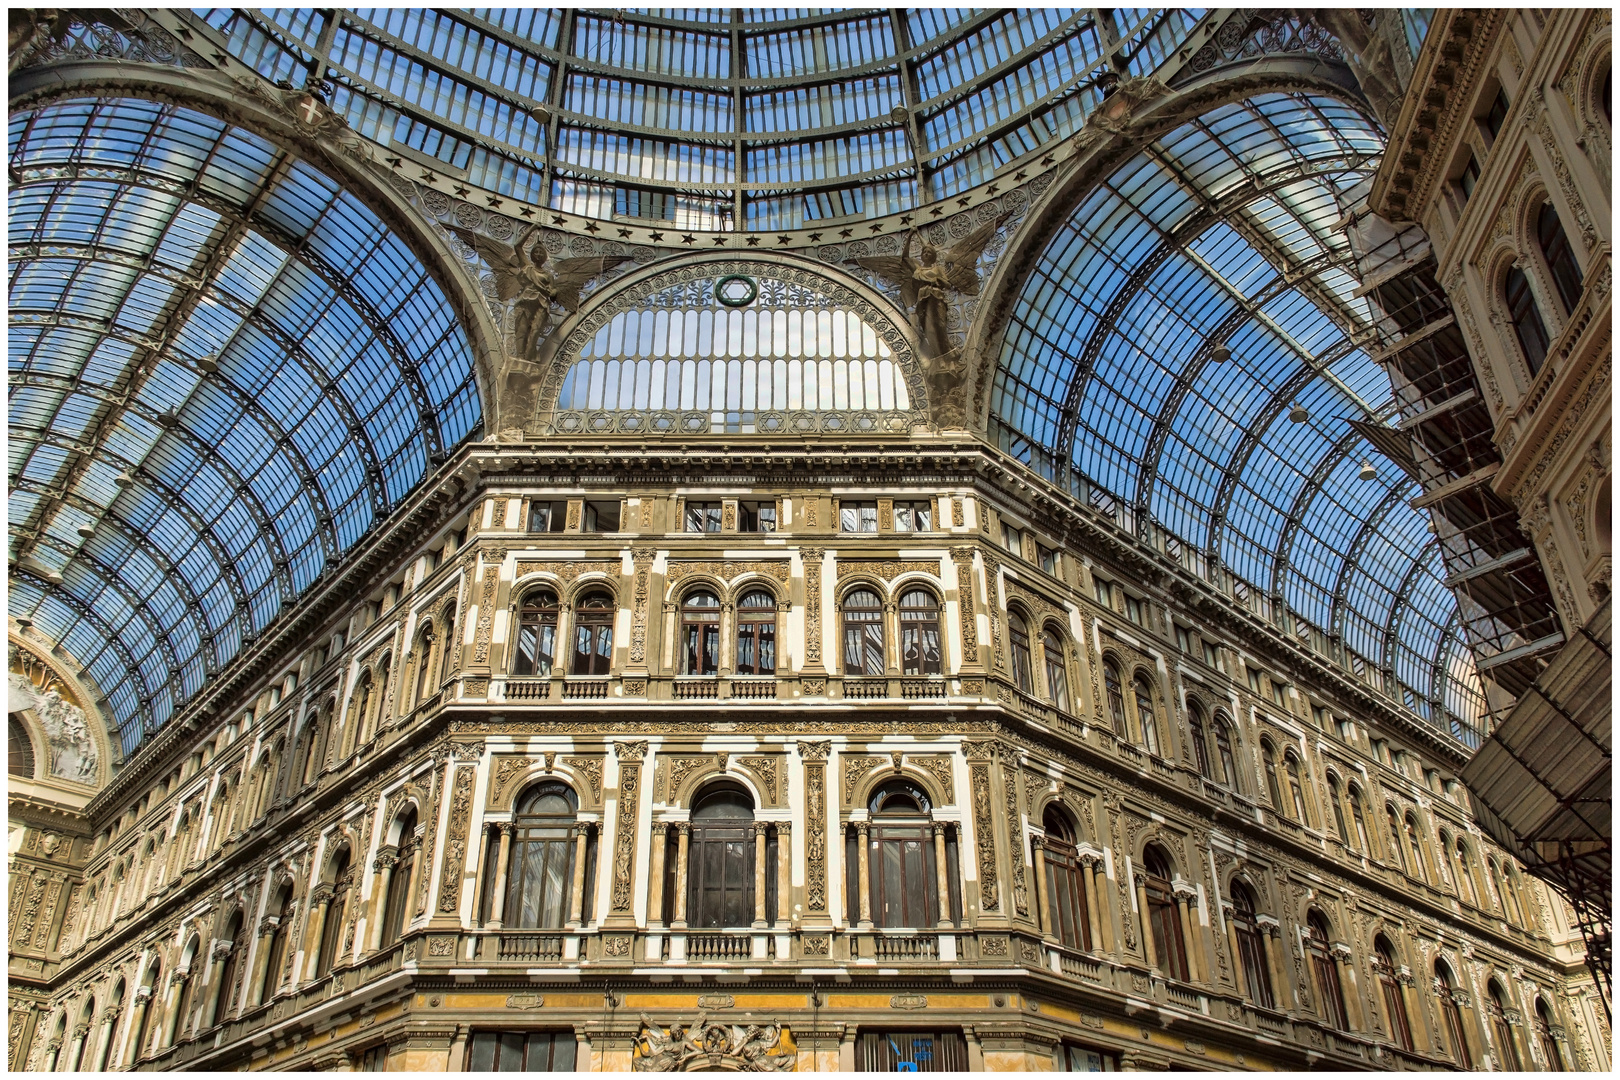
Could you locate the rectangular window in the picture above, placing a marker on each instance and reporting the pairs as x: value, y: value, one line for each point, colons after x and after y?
x: 1103, y: 591
x: 1319, y: 715
x: 1073, y: 1058
x: 702, y: 517
x: 521, y: 1051
x: 857, y: 517
x: 758, y: 517
x: 913, y: 1051
x: 1183, y: 639
x: 1468, y: 178
x: 1254, y: 680
x: 374, y: 1059
x: 1012, y: 540
x: 1135, y: 610
x: 1496, y: 115
x: 913, y: 517
x: 602, y: 516
x: 547, y: 517
x: 1347, y: 730
x: 1211, y: 657
x: 1277, y: 694
x: 1048, y: 559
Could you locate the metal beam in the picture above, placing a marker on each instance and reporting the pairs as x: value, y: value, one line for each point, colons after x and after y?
x: 1302, y: 501
x: 1352, y: 558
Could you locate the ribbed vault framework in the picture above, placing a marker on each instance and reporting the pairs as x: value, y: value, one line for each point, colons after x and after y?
x: 224, y: 370
x: 1223, y: 234
x: 718, y: 118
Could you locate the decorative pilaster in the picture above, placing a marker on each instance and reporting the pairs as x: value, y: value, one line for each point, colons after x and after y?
x: 815, y: 828
x: 630, y: 755
x: 811, y: 558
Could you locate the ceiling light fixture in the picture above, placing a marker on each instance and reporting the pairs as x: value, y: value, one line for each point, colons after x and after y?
x: 1221, y: 354
x: 1367, y: 471
x: 1299, y: 414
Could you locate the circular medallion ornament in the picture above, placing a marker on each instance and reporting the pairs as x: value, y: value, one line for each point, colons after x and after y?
x: 736, y: 290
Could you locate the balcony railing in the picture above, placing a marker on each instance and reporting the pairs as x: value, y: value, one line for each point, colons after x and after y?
x: 922, y: 689
x: 719, y: 946
x: 528, y: 689
x: 537, y: 948
x: 593, y: 689
x: 754, y: 689
x: 866, y: 689
x: 909, y: 947
x: 696, y: 689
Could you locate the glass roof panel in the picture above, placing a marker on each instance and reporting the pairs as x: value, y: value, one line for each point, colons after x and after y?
x: 864, y: 112
x: 338, y: 369
x: 1222, y: 234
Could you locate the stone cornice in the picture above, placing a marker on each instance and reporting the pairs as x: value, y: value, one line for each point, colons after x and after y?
x: 1453, y: 56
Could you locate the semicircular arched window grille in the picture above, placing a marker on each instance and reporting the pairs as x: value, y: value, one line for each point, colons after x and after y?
x: 791, y: 359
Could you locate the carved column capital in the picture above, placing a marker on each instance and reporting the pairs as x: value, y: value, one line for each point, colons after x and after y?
x: 505, y: 828
x: 862, y: 828
x: 386, y: 858
x: 111, y: 1013
x: 1036, y: 841
x: 761, y: 827
x: 268, y: 925
x: 142, y: 995
x: 221, y: 952
x: 784, y: 829
x: 81, y: 1029
x: 683, y: 828
x: 323, y: 893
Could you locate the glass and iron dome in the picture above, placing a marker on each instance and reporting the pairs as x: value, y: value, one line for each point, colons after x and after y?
x: 719, y: 118
x: 224, y: 370
x: 1187, y: 355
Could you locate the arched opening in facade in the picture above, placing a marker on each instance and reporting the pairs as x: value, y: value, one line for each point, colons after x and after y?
x: 905, y: 883
x: 593, y: 633
x: 1325, y: 971
x: 862, y: 614
x: 721, y: 858
x: 540, y: 874
x: 1163, y: 914
x: 756, y: 633
x: 1067, y: 903
x: 536, y: 646
x: 1451, y: 1013
x: 920, y: 651
x: 402, y: 871
x: 1388, y: 974
x: 1251, y: 946
x: 699, y: 643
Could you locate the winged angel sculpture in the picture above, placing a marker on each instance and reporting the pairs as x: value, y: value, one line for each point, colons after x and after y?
x: 530, y: 281
x: 926, y: 284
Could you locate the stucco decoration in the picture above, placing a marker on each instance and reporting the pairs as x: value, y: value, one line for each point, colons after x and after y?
x: 73, y: 753
x: 706, y: 1046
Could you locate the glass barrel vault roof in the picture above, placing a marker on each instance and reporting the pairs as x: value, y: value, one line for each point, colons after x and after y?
x: 1224, y: 233
x: 719, y: 118
x: 238, y: 338
x: 223, y: 365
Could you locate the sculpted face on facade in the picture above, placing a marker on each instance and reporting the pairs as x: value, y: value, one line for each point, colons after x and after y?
x: 857, y: 621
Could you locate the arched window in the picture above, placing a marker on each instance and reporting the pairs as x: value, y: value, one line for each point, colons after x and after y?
x: 1251, y: 949
x: 1268, y: 759
x: 115, y: 1001
x: 383, y: 668
x: 1420, y: 866
x: 1397, y: 851
x: 1057, y: 668
x: 152, y: 983
x: 904, y: 879
x: 536, y: 648
x: 225, y: 993
x: 863, y: 633
x: 593, y: 634
x: 1528, y: 325
x: 1296, y: 788
x: 919, y: 633
x: 1566, y: 273
x: 447, y: 658
x: 87, y: 1018
x: 276, y: 958
x: 359, y: 709
x: 1018, y: 635
x: 1164, y: 918
x: 700, y: 633
x: 1358, y: 818
x: 1504, y: 892
x: 336, y: 911
x: 188, y: 987
x: 1065, y: 889
x: 1501, y: 1033
x: 20, y: 748
x: 1400, y: 1030
x: 311, y: 743
x: 720, y: 869
x: 1544, y: 1035
x: 1223, y: 750
x: 540, y: 872
x: 1116, y: 698
x: 1465, y: 876
x: 1195, y: 731
x: 399, y: 884
x: 756, y: 634
x: 424, y: 663
x: 1452, y: 1012
x: 1327, y: 973
x: 1336, y: 797
x: 1145, y: 718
